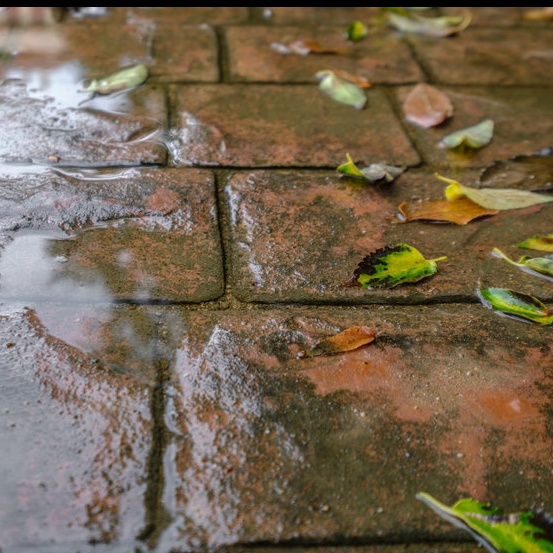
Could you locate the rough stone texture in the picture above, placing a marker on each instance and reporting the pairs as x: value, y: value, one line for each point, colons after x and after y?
x: 521, y: 124
x: 275, y: 126
x: 182, y: 16
x: 143, y: 40
x: 483, y: 57
x: 137, y: 235
x: 168, y: 254
x: 76, y: 438
x: 256, y: 56
x: 40, y: 131
x: 451, y: 402
x: 316, y: 16
x: 299, y: 237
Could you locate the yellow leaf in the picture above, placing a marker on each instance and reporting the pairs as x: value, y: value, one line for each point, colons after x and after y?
x: 494, y: 198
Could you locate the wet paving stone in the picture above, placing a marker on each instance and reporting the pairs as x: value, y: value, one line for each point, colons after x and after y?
x: 257, y: 55
x: 481, y: 57
x: 521, y: 125
x: 183, y: 16
x: 144, y: 41
x: 316, y: 16
x: 37, y: 130
x: 299, y: 237
x: 282, y: 126
x: 169, y: 254
x: 77, y: 433
x: 134, y: 234
x: 269, y: 446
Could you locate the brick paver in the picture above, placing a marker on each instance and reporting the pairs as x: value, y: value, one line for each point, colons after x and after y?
x: 169, y: 254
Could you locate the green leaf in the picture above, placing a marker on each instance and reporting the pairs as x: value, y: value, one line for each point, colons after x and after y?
x: 357, y: 31
x: 389, y: 266
x: 541, y: 265
x: 349, y: 168
x: 341, y: 90
x: 374, y: 172
x: 524, y: 532
x: 122, y: 80
x: 515, y: 304
x: 542, y: 243
x: 494, y: 198
x: 474, y: 137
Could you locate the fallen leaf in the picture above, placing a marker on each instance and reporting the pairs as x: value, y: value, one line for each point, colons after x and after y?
x: 427, y: 106
x: 474, y: 137
x: 357, y: 31
x: 530, y: 172
x: 524, y: 532
x: 540, y: 265
x: 359, y: 80
x: 341, y: 90
x: 306, y: 47
x: 459, y: 211
x: 389, y: 266
x: 442, y: 26
x: 542, y: 243
x: 374, y: 172
x: 350, y: 339
x: 494, y: 198
x: 515, y: 304
x: 122, y: 80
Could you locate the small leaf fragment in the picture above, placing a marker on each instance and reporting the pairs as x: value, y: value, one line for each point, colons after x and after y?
x: 349, y: 168
x: 130, y: 77
x: 374, y: 172
x: 392, y: 265
x: 494, y: 198
x: 474, y: 137
x: 541, y: 265
x: 306, y: 47
x: 524, y: 532
x: 443, y: 26
x: 347, y: 340
x: 459, y: 211
x: 427, y: 106
x: 341, y: 90
x: 515, y: 304
x: 542, y: 243
x: 357, y: 31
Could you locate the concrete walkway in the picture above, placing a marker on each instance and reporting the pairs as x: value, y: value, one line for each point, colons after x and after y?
x: 169, y: 254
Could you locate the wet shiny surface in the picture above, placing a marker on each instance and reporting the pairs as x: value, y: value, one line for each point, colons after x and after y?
x: 168, y: 253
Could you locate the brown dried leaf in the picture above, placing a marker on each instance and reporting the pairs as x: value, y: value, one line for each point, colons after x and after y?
x: 350, y: 339
x: 361, y: 82
x: 460, y: 211
x: 427, y: 106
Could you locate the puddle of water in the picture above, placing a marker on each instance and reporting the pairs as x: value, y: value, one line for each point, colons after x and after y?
x: 64, y: 84
x: 29, y: 271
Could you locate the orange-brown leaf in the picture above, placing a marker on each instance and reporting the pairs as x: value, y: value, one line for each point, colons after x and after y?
x: 361, y: 82
x: 350, y: 339
x: 460, y: 211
